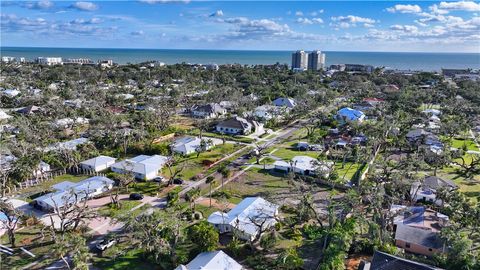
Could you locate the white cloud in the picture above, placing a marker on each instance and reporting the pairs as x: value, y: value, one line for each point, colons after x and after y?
x: 44, y: 4
x: 316, y: 13
x: 84, y: 6
x: 404, y: 28
x: 351, y: 21
x: 299, y: 13
x: 218, y: 13
x: 462, y: 5
x: 309, y: 21
x: 405, y: 9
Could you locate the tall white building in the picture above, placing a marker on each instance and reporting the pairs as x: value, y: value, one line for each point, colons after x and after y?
x: 8, y: 59
x: 49, y: 60
x: 299, y: 60
x: 316, y: 60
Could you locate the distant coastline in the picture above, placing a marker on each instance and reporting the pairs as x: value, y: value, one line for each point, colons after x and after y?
x: 393, y: 60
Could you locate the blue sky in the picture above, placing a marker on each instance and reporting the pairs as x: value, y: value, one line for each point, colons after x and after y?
x: 427, y: 26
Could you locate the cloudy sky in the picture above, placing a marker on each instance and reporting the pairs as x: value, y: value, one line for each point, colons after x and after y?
x: 426, y: 26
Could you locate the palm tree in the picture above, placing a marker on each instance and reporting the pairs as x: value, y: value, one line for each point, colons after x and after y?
x: 210, y: 181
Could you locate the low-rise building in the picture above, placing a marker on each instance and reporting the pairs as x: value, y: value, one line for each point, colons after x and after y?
x: 347, y: 114
x: 427, y: 191
x: 213, y: 260
x: 385, y: 261
x: 67, y: 193
x: 304, y: 165
x: 68, y: 145
x: 188, y: 145
x: 142, y: 167
x: 49, y: 61
x: 418, y: 240
x: 97, y: 164
x: 211, y: 110
x: 239, y: 126
x: 284, y: 102
x: 244, y: 218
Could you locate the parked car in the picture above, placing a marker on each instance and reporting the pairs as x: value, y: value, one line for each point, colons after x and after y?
x: 105, y: 243
x: 136, y: 196
x: 177, y: 181
x: 159, y: 179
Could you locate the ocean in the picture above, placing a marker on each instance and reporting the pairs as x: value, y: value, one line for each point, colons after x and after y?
x: 394, y: 60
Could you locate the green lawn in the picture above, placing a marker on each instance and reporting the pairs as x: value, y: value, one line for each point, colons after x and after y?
x: 471, y: 188
x: 195, y: 165
x: 238, y: 138
x: 149, y: 188
x: 30, y: 239
x: 348, y: 170
x: 460, y: 143
x: 111, y: 211
x: 132, y: 260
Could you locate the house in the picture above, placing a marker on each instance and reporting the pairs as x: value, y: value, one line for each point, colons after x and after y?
x: 284, y: 102
x: 213, y: 260
x: 143, y: 167
x: 242, y: 218
x: 68, y: 145
x: 385, y: 261
x: 11, y: 93
x: 302, y: 146
x: 427, y: 190
x: 304, y: 165
x: 416, y: 135
x: 42, y: 169
x: 188, y: 145
x: 347, y: 114
x: 419, y: 217
x: 4, y: 115
x: 418, y: 240
x: 266, y: 112
x: 97, y: 164
x: 32, y: 109
x: 67, y: 122
x: 239, y: 126
x: 211, y: 110
x: 67, y: 193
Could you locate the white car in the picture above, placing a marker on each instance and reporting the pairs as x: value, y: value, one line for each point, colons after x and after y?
x: 105, y: 243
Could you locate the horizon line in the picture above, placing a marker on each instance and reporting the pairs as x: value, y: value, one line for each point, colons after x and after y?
x: 246, y: 50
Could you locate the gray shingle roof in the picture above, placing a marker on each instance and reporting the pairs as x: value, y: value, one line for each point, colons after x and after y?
x: 418, y: 236
x: 385, y: 261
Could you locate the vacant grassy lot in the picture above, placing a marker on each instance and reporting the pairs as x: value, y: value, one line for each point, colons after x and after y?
x: 30, y: 239
x: 461, y: 143
x: 198, y: 165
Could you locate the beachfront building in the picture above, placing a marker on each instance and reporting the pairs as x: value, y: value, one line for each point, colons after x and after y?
x: 316, y: 60
x: 142, y: 167
x: 213, y: 260
x: 67, y: 193
x: 49, y: 61
x: 299, y: 60
x: 242, y: 219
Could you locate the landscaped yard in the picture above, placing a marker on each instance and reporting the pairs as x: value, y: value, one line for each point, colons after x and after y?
x: 30, y: 239
x: 471, y: 188
x: 460, y: 143
x: 111, y: 211
x: 197, y: 165
x: 131, y: 260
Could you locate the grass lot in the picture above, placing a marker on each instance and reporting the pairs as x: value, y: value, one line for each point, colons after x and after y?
x: 31, y: 191
x: 238, y: 138
x: 256, y: 182
x: 460, y: 143
x: 149, y: 188
x: 196, y: 166
x: 347, y: 171
x: 30, y: 239
x: 131, y: 260
x: 111, y: 211
x: 471, y: 188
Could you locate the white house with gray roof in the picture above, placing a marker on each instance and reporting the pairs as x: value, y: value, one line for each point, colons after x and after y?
x: 213, y: 260
x: 143, y: 167
x: 70, y: 193
x: 97, y: 164
x: 243, y: 219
